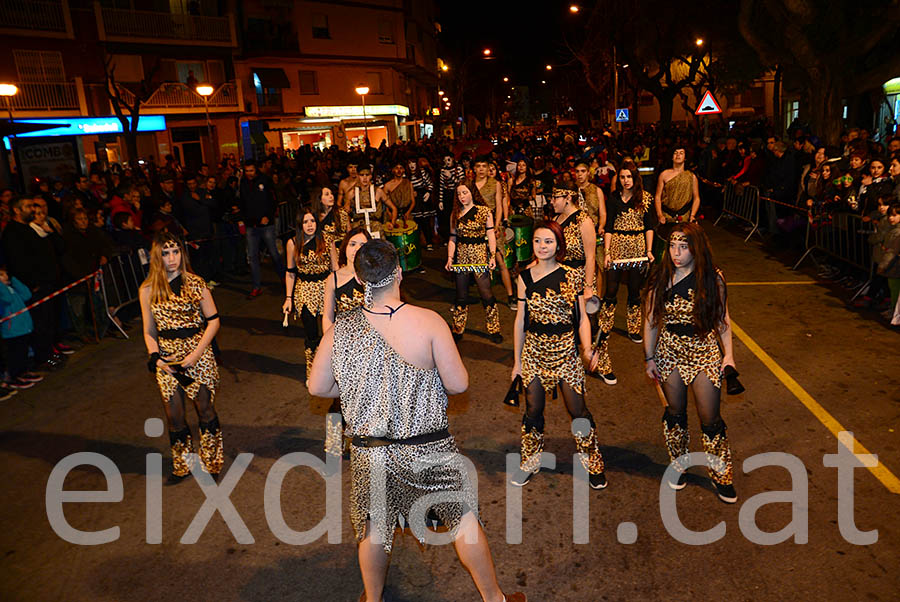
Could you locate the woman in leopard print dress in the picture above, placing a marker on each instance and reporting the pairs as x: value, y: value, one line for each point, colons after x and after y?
x: 180, y: 322
x: 309, y: 261
x: 549, y: 323
x: 687, y: 321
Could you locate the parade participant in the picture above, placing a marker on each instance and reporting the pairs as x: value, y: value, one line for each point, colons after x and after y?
x: 522, y: 189
x: 450, y: 177
x: 422, y: 181
x: 366, y: 199
x: 687, y: 318
x: 490, y: 190
x: 333, y: 220
x: 628, y: 239
x: 677, y: 192
x: 400, y: 190
x: 550, y: 323
x: 590, y: 197
x: 393, y: 364
x: 343, y: 292
x: 309, y: 262
x: 180, y: 322
x: 471, y: 251
x: 347, y: 185
x: 581, y: 237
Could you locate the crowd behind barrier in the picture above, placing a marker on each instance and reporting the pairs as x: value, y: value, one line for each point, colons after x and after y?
x: 831, y: 204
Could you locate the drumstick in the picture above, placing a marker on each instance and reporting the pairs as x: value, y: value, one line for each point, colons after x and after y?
x: 659, y: 393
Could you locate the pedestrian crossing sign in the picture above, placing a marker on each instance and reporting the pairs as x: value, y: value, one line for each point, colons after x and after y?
x: 708, y: 106
x: 621, y: 115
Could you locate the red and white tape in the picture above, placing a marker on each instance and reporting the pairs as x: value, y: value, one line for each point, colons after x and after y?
x: 55, y: 294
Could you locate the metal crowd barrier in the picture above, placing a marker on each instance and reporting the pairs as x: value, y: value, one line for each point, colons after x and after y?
x: 744, y: 206
x: 843, y: 237
x: 287, y: 218
x: 120, y: 281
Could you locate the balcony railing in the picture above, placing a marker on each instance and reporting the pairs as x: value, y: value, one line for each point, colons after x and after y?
x: 178, y: 97
x: 163, y: 28
x: 45, y: 96
x: 33, y: 15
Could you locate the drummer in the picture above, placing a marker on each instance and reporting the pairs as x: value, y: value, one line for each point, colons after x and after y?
x: 581, y: 237
x: 368, y: 205
x: 629, y: 240
x: 472, y: 251
x: 400, y: 191
x: 490, y: 190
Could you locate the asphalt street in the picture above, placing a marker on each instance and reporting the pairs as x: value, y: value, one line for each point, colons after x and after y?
x: 810, y: 365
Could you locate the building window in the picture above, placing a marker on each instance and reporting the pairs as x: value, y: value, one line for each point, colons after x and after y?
x: 320, y: 26
x: 373, y: 78
x: 266, y: 97
x: 795, y: 110
x: 309, y: 83
x: 385, y: 32
x: 39, y: 65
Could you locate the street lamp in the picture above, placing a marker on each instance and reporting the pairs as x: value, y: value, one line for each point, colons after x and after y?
x: 445, y: 67
x: 505, y: 79
x: 7, y: 91
x: 699, y: 41
x: 205, y: 90
x: 362, y: 91
x: 549, y: 67
x: 486, y: 52
x: 574, y: 8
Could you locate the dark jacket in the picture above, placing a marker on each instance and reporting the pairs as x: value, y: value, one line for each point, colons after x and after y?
x: 83, y: 250
x: 197, y: 213
x: 30, y: 258
x: 889, y: 264
x: 257, y: 200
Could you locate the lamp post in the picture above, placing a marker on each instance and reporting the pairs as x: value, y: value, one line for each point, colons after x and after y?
x: 362, y: 91
x: 7, y: 91
x: 205, y: 90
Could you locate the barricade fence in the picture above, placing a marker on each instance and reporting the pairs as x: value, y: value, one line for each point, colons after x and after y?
x: 840, y: 235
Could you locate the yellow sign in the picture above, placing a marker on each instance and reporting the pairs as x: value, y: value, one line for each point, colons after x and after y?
x: 435, y: 111
x: 356, y: 110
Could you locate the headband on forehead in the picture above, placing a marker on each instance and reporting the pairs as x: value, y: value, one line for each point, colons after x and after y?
x: 171, y: 243
x: 563, y: 192
x: 678, y: 236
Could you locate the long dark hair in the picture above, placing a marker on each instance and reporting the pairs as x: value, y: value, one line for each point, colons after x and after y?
x: 637, y: 191
x: 318, y: 237
x: 554, y: 227
x: 709, y: 300
x: 318, y: 209
x: 342, y: 253
x: 476, y: 199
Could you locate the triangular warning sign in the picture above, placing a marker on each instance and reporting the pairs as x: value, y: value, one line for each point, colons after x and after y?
x: 708, y: 106
x: 623, y: 115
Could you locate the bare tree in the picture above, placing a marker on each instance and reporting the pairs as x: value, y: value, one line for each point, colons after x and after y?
x: 126, y: 101
x: 839, y: 48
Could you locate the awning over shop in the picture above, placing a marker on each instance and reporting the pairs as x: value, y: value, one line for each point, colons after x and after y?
x: 272, y: 77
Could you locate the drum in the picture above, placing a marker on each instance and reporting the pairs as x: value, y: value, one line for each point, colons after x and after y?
x: 509, y: 255
x: 406, y: 240
x: 523, y: 228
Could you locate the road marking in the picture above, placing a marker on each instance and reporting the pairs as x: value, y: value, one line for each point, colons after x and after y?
x: 773, y: 283
x: 881, y: 472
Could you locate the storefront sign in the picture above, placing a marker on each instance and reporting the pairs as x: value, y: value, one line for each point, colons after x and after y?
x: 46, y: 158
x: 356, y: 110
x: 83, y: 126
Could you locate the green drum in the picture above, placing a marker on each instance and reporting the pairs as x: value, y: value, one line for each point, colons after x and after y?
x: 523, y: 228
x: 509, y: 255
x: 406, y: 239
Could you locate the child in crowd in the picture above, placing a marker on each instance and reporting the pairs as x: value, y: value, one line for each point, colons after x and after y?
x: 16, y: 332
x: 879, y: 226
x: 889, y: 264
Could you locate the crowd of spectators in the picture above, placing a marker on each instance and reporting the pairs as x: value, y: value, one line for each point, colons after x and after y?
x: 63, y: 230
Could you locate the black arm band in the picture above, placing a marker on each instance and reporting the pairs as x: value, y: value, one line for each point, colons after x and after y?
x: 293, y: 271
x: 151, y: 362
x: 211, y: 318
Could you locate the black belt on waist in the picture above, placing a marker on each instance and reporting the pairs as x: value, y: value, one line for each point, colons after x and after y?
x: 574, y: 263
x: 682, y: 330
x: 551, y: 329
x: 312, y: 277
x: 628, y: 231
x: 471, y: 240
x: 684, y: 209
x: 178, y: 333
x: 366, y: 441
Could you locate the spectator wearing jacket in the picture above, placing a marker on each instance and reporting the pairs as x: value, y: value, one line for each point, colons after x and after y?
x: 258, y: 206
x: 889, y: 265
x: 87, y: 248
x: 16, y: 331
